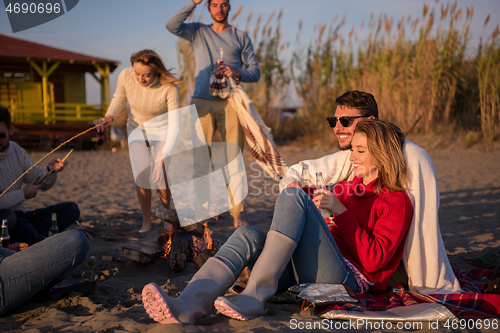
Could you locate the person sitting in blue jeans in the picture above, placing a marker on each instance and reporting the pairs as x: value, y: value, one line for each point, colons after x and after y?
x: 28, y: 226
x: 362, y: 250
x: 40, y: 267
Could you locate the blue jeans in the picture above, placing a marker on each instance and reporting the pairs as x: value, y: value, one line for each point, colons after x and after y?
x: 316, y: 259
x: 48, y: 262
x: 33, y: 226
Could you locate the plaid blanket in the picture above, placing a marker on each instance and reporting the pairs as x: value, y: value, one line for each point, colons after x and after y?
x: 471, y: 304
x: 258, y: 136
x: 219, y: 85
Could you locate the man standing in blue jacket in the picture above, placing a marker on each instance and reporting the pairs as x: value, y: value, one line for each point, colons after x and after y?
x: 240, y: 64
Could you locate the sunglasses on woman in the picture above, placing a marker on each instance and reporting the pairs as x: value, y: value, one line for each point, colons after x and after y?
x: 344, y: 121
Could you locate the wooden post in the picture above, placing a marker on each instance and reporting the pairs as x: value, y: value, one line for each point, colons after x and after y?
x: 104, y: 83
x: 52, y: 103
x: 44, y: 73
x: 44, y: 92
x: 107, y: 85
x: 102, y: 92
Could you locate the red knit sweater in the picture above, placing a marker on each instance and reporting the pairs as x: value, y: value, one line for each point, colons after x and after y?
x: 371, y: 232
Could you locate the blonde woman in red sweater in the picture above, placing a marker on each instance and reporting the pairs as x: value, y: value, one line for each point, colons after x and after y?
x: 372, y: 214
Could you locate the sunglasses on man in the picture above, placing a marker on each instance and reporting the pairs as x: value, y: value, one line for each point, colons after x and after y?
x: 344, y: 121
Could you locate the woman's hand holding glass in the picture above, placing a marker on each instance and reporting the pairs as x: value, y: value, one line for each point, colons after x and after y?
x: 326, y: 199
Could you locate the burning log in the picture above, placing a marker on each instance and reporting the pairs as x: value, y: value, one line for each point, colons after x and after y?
x: 181, y: 250
x: 181, y: 245
x: 167, y: 215
x: 185, y: 244
x: 143, y: 251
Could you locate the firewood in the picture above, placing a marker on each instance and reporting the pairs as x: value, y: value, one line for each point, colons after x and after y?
x: 167, y: 215
x: 143, y: 251
x: 182, y: 245
x: 181, y: 250
x: 170, y: 216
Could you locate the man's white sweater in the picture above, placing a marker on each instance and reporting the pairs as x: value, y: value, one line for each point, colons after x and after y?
x: 13, y: 163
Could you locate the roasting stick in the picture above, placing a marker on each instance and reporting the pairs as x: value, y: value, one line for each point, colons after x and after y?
x: 83, y: 229
x: 41, y: 181
x: 53, y: 150
x: 48, y: 173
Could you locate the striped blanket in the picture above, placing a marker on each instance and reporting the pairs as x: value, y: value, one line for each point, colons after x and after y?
x: 258, y: 135
x: 471, y: 304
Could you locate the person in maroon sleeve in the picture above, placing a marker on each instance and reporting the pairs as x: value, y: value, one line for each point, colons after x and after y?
x: 362, y: 250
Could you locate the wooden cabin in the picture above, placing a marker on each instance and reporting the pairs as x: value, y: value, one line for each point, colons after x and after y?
x: 44, y: 86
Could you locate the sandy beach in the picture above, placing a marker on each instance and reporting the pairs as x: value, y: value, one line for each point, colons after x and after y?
x: 101, y: 183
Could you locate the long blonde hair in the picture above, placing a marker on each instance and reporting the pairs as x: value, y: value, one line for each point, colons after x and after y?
x: 385, y: 143
x: 152, y: 59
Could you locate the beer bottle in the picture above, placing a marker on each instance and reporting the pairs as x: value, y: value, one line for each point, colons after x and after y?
x: 320, y: 184
x: 88, y: 274
x: 305, y: 183
x: 5, y: 238
x: 53, y: 228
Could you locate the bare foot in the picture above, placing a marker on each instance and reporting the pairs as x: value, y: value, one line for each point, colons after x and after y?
x: 237, y: 222
x: 146, y: 226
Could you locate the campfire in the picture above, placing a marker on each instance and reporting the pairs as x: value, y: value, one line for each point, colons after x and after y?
x: 192, y: 243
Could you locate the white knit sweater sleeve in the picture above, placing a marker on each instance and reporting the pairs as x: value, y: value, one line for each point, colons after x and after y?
x: 13, y: 163
x: 335, y: 168
x: 12, y: 199
x: 37, y: 173
x: 424, y: 256
x: 119, y: 100
x: 174, y: 120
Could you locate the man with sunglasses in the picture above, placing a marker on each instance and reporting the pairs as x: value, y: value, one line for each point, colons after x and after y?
x: 426, y: 267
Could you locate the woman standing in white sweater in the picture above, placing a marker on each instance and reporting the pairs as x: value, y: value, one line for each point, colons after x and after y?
x: 153, y: 124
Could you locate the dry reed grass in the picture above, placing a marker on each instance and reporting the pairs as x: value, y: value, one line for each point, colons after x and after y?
x: 415, y: 67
